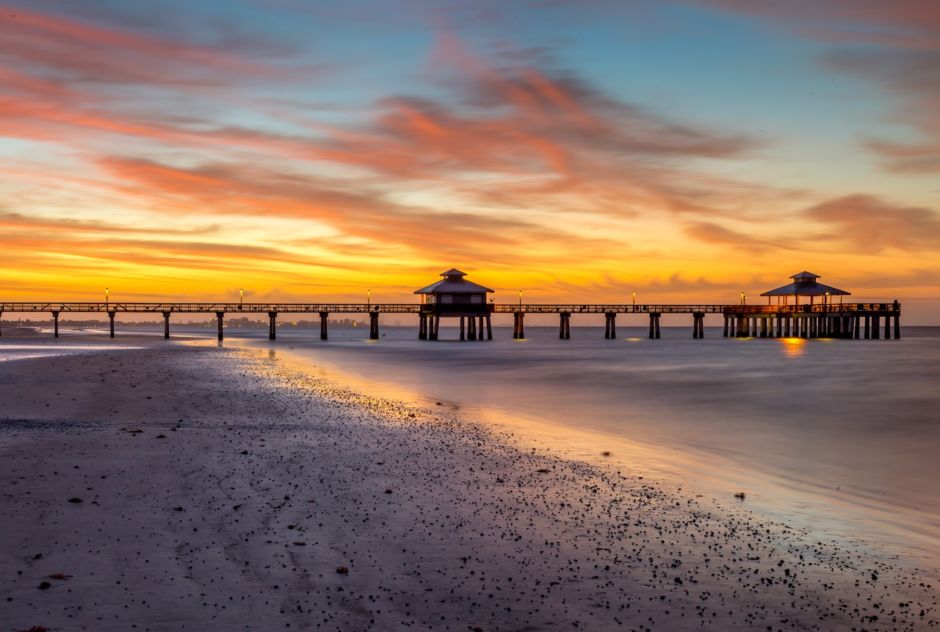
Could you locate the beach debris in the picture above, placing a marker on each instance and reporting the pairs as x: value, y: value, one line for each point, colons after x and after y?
x: 178, y: 509
x: 388, y: 491
x: 161, y: 436
x: 739, y: 495
x: 60, y: 576
x: 543, y: 470
x: 605, y: 453
x: 36, y: 628
x: 38, y: 556
x: 75, y: 500
x: 342, y: 570
x: 45, y: 585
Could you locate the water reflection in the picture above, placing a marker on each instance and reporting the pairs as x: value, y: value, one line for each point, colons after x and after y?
x: 793, y: 347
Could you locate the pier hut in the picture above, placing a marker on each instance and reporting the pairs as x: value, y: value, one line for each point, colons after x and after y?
x: 819, y: 316
x: 804, y: 284
x: 455, y: 297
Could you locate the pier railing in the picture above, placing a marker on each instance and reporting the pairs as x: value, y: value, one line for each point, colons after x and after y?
x: 414, y: 308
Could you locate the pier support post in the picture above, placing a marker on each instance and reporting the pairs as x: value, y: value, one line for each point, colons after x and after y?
x: 856, y: 326
x: 610, y: 326
x: 763, y: 327
x: 471, y: 328
x: 867, y: 327
x: 654, y: 325
x: 698, y: 325
x: 463, y: 335
x: 111, y: 315
x: 480, y: 328
x: 518, y: 332
x: 272, y: 325
x: 897, y: 326
x: 887, y: 327
x: 489, y: 328
x: 324, y: 325
x: 564, y: 326
x: 55, y: 324
x: 876, y: 326
x: 725, y: 329
x: 422, y: 327
x: 220, y: 318
x: 373, y: 325
x: 1, y: 324
x: 435, y: 327
x: 166, y: 325
x: 779, y: 326
x: 786, y: 326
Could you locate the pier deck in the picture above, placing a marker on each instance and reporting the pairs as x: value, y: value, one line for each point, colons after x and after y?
x: 849, y: 320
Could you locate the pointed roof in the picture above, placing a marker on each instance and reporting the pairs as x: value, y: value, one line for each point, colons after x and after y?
x: 805, y: 284
x: 454, y: 283
x: 804, y: 275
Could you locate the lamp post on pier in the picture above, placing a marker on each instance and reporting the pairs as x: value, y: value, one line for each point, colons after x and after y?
x: 634, y: 301
x: 107, y: 297
x: 241, y: 298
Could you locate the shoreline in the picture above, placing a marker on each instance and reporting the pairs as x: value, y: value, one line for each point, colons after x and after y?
x: 877, y: 522
x: 479, y: 527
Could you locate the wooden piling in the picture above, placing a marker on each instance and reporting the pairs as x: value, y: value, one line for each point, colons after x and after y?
x: 220, y: 321
x: 519, y: 326
x: 55, y: 324
x: 897, y: 326
x: 564, y: 326
x: 471, y: 328
x: 435, y: 327
x: 489, y: 328
x: 876, y: 326
x: 272, y: 325
x: 111, y: 316
x: 166, y: 325
x: 422, y: 327
x: 373, y: 325
x: 610, y: 326
x: 463, y: 335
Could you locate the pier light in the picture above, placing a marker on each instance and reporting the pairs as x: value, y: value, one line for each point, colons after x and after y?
x: 107, y: 295
x: 520, y: 298
x: 743, y: 298
x: 634, y: 299
x: 368, y: 298
x: 241, y: 297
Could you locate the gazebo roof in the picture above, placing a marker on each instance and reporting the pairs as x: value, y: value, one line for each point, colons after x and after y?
x: 454, y: 283
x: 805, y: 284
x: 805, y: 276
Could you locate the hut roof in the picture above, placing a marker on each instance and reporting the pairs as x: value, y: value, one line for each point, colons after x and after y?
x: 454, y: 283
x: 805, y: 276
x: 805, y: 284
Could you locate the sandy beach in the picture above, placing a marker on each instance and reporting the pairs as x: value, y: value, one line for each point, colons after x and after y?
x: 182, y: 487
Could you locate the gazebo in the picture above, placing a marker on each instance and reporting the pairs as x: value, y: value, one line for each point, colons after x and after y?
x: 454, y: 296
x: 804, y: 284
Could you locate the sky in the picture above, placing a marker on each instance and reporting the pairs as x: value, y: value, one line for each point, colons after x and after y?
x: 582, y: 151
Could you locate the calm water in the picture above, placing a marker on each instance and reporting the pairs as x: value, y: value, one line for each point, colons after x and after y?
x: 842, y: 436
x: 839, y: 436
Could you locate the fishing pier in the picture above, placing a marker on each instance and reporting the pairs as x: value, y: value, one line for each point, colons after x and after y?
x: 457, y: 298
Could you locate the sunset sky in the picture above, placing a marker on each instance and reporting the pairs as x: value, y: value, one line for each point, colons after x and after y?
x: 307, y: 151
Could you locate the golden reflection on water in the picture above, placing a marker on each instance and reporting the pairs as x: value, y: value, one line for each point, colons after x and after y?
x: 793, y: 347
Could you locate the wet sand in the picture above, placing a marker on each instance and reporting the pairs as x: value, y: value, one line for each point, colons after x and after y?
x: 186, y: 488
